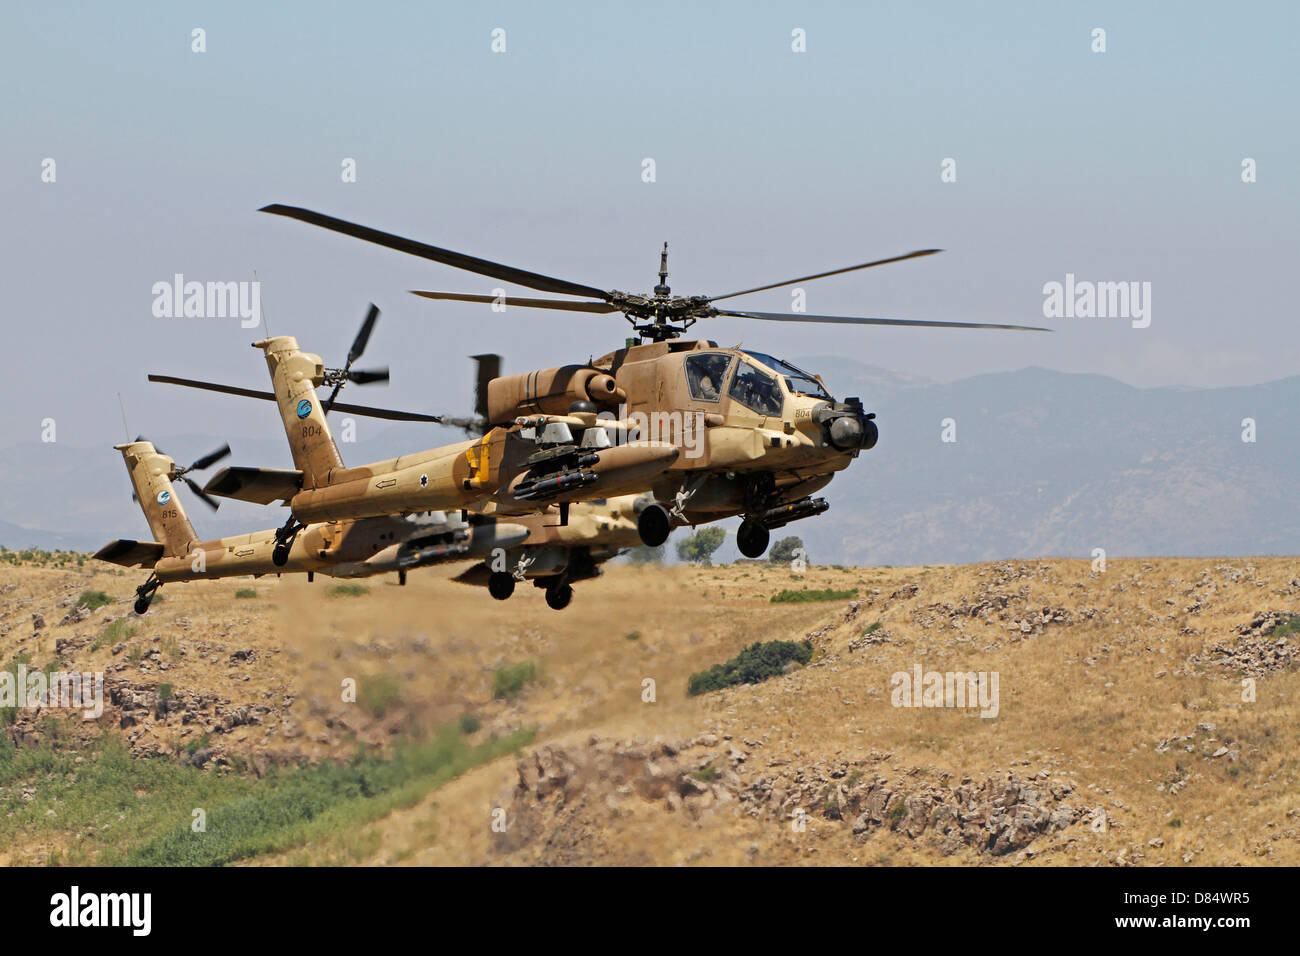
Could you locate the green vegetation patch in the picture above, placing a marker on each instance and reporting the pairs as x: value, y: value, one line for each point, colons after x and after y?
x: 119, y: 630
x: 246, y: 593
x: 315, y: 803
x: 509, y: 680
x: 755, y: 663
x: 807, y: 595
x: 1290, y: 624
x: 115, y: 809
x: 349, y: 590
x: 93, y: 599
x: 378, y: 695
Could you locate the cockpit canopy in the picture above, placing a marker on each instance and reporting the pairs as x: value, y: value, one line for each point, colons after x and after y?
x: 797, y: 380
x: 752, y: 383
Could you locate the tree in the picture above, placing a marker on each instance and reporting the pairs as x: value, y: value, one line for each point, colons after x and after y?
x: 643, y: 554
x: 783, y: 552
x: 699, y: 547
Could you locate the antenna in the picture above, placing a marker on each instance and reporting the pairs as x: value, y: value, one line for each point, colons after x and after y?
x: 265, y: 324
x: 122, y: 405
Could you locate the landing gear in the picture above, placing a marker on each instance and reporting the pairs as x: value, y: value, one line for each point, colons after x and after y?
x: 144, y: 594
x: 501, y: 585
x: 284, y: 541
x: 558, y: 596
x: 752, y: 538
x: 401, y: 577
x: 654, y: 525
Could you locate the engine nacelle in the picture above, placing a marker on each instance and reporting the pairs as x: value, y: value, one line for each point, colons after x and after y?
x: 551, y: 392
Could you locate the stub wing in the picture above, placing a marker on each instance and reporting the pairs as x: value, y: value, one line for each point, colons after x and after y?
x: 261, y: 486
x: 131, y: 554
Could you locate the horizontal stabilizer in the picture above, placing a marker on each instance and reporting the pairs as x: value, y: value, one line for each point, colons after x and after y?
x: 261, y: 486
x: 131, y: 554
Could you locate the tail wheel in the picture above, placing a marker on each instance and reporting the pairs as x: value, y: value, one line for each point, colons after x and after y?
x: 558, y: 597
x: 501, y: 585
x: 280, y: 554
x: 142, y: 604
x: 752, y: 539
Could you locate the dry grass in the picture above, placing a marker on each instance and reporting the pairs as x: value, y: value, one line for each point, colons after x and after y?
x: 1081, y: 698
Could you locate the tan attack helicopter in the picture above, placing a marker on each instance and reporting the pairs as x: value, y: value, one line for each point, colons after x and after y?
x: 752, y: 435
x: 345, y: 549
x: 512, y: 470
x: 560, y: 546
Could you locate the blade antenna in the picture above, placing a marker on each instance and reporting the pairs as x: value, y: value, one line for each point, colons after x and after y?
x: 265, y: 322
x: 122, y: 405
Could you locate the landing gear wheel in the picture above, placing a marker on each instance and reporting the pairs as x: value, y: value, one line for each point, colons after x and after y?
x: 142, y: 604
x: 280, y: 554
x: 752, y: 539
x: 654, y: 525
x: 501, y: 585
x: 559, y: 596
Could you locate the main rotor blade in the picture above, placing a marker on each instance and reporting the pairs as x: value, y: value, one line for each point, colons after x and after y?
x: 385, y: 413
x: 210, y: 458
x: 212, y: 387
x: 857, y: 320
x: 823, y: 275
x: 389, y: 414
x: 521, y: 302
x: 485, y: 267
x: 363, y: 334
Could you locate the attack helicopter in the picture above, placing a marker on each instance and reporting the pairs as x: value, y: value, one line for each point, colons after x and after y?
x: 752, y: 435
x: 561, y: 545
x: 506, y: 471
x: 343, y: 549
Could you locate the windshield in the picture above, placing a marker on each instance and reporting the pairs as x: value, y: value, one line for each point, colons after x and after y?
x: 756, y: 389
x: 796, y: 379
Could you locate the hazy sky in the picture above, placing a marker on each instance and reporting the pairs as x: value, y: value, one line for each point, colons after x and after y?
x: 1115, y: 166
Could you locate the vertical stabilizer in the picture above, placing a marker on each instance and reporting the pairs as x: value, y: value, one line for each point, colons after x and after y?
x: 151, y: 475
x: 295, y: 376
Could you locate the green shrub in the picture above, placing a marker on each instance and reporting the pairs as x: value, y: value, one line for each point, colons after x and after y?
x: 896, y: 815
x: 1288, y: 624
x: 755, y: 663
x: 349, y: 590
x: 119, y: 630
x: 806, y: 595
x: 377, y: 695
x: 246, y: 593
x: 509, y: 680
x: 469, y: 724
x: 93, y: 599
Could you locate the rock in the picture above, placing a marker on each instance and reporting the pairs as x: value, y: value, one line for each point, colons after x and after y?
x: 76, y: 615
